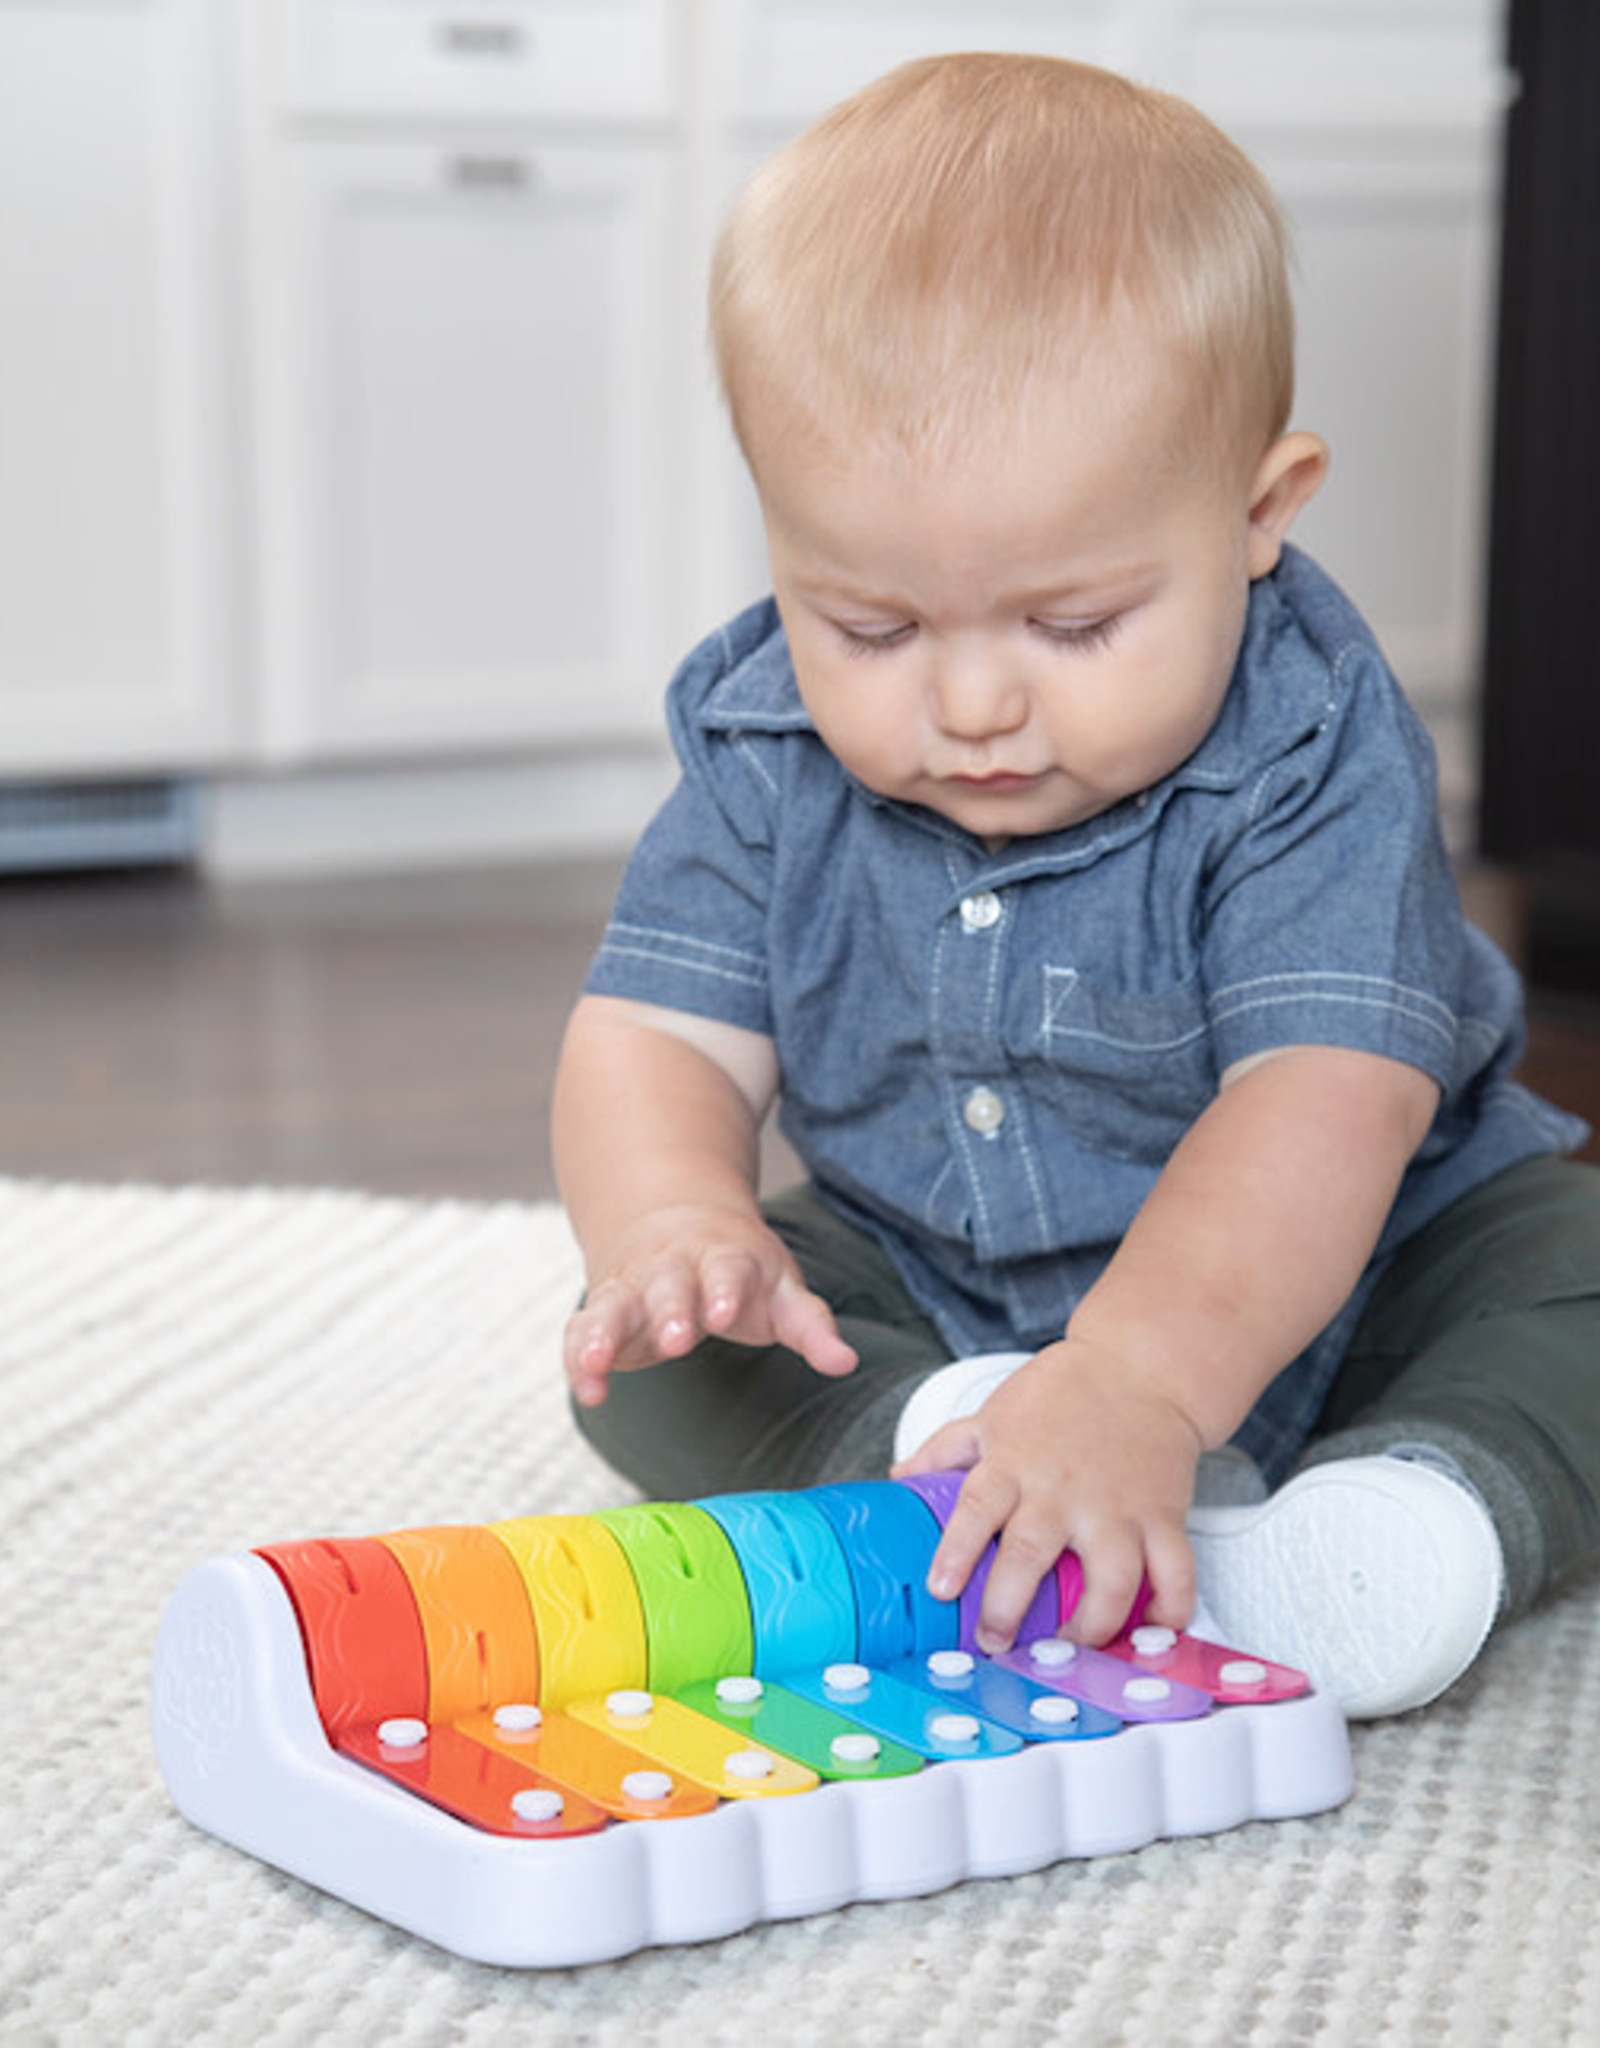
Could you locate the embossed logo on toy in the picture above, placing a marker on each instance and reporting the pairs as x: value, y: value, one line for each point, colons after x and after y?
x: 200, y: 1691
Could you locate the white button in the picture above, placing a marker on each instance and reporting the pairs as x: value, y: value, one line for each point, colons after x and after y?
x: 953, y: 1729
x: 855, y: 1749
x: 983, y: 1112
x: 847, y: 1678
x: 647, y: 1786
x: 750, y: 1764
x: 1152, y: 1641
x: 628, y: 1704
x: 1243, y: 1671
x: 980, y: 911
x: 1147, y: 1690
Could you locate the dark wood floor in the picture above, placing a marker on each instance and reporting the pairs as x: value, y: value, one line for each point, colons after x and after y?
x: 394, y: 1034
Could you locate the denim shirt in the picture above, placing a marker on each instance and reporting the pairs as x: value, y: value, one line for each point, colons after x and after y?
x: 987, y: 1055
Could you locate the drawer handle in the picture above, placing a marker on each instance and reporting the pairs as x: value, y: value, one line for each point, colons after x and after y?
x: 492, y: 173
x: 483, y: 38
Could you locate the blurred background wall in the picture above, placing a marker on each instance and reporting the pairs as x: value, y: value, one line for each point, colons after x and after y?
x: 361, y: 477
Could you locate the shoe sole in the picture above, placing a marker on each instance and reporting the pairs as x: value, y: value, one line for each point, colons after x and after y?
x: 951, y: 1394
x: 1377, y: 1578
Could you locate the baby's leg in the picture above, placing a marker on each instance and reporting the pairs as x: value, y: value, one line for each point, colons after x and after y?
x: 727, y: 1418
x: 1455, y: 1477
x: 1482, y: 1347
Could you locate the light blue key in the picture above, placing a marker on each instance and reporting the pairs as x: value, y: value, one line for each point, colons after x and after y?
x: 886, y: 1706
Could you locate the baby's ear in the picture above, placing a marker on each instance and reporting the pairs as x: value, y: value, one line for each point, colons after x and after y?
x: 1286, y: 480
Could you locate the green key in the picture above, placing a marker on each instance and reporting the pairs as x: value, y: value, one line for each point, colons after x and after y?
x: 691, y: 1590
x: 831, y: 1744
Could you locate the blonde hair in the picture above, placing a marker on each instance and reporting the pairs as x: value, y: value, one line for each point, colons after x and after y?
x: 967, y: 223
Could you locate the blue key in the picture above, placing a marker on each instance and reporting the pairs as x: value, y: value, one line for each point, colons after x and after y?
x: 1037, y: 1713
x: 889, y: 1536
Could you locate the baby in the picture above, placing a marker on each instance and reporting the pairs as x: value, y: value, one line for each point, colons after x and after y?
x: 1057, y: 851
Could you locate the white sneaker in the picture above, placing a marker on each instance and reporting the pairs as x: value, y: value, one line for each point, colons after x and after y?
x: 952, y: 1392
x: 1378, y: 1577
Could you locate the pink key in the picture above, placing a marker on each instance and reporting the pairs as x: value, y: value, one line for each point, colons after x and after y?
x: 1231, y: 1677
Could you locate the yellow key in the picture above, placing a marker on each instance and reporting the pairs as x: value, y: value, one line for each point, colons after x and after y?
x: 585, y: 1604
x: 682, y: 1741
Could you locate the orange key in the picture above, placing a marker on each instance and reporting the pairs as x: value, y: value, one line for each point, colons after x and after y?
x: 477, y: 1624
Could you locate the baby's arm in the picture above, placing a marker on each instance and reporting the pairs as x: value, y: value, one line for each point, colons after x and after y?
x: 655, y: 1123
x: 1248, y: 1245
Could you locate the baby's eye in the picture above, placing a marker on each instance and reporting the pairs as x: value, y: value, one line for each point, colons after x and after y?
x: 874, y: 639
x: 1082, y: 634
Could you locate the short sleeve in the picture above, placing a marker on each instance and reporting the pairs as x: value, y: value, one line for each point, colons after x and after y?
x: 689, y: 927
x: 691, y: 922
x: 1331, y: 918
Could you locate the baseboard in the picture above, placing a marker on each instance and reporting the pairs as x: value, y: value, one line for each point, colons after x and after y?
x: 352, y: 821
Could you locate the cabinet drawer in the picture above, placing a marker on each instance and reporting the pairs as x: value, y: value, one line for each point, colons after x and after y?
x: 499, y: 58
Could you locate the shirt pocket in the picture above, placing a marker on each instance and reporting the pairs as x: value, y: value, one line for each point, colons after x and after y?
x: 1127, y: 1073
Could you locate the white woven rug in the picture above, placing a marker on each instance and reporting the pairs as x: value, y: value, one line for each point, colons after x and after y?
x: 189, y: 1372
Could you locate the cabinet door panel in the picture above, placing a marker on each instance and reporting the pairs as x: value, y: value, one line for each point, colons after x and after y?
x: 112, y: 565
x: 475, y: 427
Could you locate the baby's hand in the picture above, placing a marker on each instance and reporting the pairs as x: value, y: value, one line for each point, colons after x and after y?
x: 689, y: 1273
x: 1072, y: 1452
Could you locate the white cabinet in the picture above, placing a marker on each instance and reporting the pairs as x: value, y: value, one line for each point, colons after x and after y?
x: 355, y: 412
x: 466, y: 442
x: 115, y: 567
x: 466, y: 371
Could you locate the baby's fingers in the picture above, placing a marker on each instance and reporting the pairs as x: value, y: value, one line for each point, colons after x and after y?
x: 1169, y: 1563
x: 981, y: 1509
x: 1113, y: 1578
x: 595, y: 1338
x: 804, y: 1322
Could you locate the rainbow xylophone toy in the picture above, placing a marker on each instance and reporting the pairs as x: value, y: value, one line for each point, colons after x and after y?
x: 558, y: 1739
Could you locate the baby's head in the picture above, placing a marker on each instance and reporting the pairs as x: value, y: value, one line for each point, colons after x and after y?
x: 913, y: 267
x: 1009, y: 348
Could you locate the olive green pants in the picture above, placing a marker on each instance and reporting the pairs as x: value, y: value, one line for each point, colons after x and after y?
x: 1482, y: 1341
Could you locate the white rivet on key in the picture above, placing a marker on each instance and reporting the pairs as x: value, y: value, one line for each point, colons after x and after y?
x: 1050, y: 1653
x: 855, y: 1749
x: 739, y: 1692
x: 1152, y: 1641
x: 647, y: 1786
x: 538, y: 1805
x: 951, y: 1664
x: 403, y: 1731
x: 847, y: 1677
x: 953, y: 1728
x: 1243, y: 1671
x: 517, y: 1719
x: 1054, y: 1710
x: 749, y: 1764
x: 628, y: 1704
x: 1147, y: 1690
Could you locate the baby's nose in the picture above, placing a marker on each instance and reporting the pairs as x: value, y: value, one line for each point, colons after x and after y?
x: 975, y: 698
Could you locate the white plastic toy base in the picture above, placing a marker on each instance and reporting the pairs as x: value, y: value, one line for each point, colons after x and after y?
x: 245, y: 1757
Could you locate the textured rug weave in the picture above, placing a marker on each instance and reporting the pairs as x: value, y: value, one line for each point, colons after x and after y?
x: 189, y: 1372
